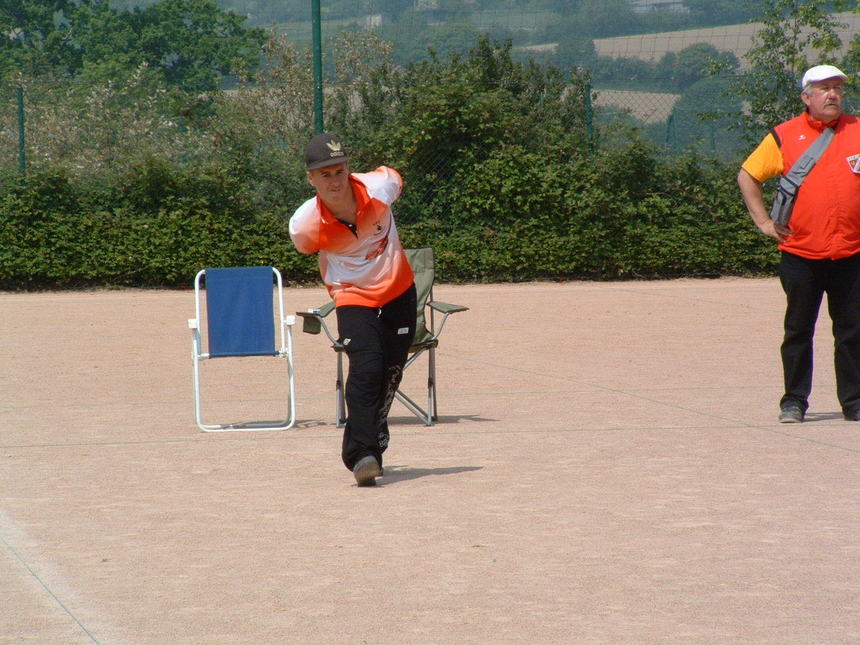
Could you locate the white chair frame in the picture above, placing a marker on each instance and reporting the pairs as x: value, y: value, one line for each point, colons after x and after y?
x: 284, y: 351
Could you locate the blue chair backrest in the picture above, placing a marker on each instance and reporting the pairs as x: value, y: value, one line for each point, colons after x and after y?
x: 239, y: 311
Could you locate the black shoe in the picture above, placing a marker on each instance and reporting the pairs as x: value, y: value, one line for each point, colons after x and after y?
x: 853, y: 415
x: 791, y: 413
x: 366, y: 470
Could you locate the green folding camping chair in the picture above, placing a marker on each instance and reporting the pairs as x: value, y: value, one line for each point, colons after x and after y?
x: 425, y: 341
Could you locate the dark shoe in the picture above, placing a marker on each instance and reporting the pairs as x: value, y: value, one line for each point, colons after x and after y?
x: 791, y: 413
x: 853, y: 415
x: 366, y: 470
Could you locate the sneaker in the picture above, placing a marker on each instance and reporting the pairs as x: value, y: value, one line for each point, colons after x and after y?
x: 852, y: 415
x: 791, y: 413
x: 366, y: 470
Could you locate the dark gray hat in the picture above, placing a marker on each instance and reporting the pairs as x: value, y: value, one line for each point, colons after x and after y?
x: 324, y: 149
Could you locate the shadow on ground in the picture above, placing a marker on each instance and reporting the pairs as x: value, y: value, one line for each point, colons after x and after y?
x: 394, y: 474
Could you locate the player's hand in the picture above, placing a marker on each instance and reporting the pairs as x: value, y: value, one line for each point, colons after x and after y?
x: 774, y: 230
x: 782, y: 231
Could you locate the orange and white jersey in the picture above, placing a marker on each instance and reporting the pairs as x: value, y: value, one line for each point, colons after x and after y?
x: 364, y: 265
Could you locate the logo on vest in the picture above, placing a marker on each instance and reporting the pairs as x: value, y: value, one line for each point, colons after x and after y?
x: 854, y: 163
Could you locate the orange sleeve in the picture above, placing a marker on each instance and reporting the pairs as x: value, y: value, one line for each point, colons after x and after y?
x: 766, y: 160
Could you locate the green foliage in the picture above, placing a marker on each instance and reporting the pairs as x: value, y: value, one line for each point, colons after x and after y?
x: 190, y: 44
x: 156, y: 228
x: 620, y: 214
x: 703, y: 116
x: 722, y: 12
x: 794, y: 33
x: 504, y: 176
x: 698, y: 61
x: 674, y: 72
x: 194, y: 43
x: 603, y: 18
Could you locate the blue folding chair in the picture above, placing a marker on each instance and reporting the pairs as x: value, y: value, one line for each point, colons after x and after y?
x: 240, y: 321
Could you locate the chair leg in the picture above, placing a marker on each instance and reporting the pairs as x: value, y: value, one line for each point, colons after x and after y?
x: 429, y: 415
x: 196, y: 374
x: 414, y: 408
x: 340, y: 403
x: 432, y: 413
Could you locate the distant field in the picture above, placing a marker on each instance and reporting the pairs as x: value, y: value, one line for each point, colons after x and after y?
x: 737, y: 39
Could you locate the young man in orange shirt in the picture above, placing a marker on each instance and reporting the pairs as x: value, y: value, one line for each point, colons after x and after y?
x: 349, y: 223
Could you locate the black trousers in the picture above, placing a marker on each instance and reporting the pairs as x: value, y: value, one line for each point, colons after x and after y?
x: 377, y: 344
x: 805, y: 282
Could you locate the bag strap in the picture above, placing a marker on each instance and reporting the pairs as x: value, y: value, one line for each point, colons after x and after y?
x: 786, y: 190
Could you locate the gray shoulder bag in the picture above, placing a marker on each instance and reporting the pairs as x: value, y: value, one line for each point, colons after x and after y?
x: 786, y: 190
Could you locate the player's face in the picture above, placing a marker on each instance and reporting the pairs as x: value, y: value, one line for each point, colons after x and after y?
x: 824, y: 99
x: 330, y: 182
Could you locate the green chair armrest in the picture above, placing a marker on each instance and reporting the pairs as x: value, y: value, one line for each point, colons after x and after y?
x: 326, y: 309
x: 445, y: 308
x: 312, y: 320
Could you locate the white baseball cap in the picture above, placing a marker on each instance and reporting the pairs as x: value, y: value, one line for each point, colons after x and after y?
x: 822, y: 73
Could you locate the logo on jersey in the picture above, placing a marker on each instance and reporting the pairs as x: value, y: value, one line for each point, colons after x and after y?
x: 377, y: 249
x: 854, y: 163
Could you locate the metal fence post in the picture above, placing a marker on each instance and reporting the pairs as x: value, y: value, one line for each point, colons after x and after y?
x: 589, y: 116
x: 671, y: 139
x: 317, y: 54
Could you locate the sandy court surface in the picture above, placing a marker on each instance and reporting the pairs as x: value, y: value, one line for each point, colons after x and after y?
x: 607, y: 469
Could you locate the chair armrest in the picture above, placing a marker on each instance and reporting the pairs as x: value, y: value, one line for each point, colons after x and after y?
x: 326, y: 309
x: 311, y: 322
x: 312, y: 319
x: 445, y: 308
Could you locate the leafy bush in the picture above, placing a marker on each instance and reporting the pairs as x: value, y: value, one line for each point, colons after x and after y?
x: 505, y: 177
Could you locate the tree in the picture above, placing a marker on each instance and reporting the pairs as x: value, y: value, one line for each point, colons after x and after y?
x: 601, y: 18
x: 438, y: 120
x: 190, y: 43
x: 791, y: 29
x: 41, y: 35
x: 575, y: 50
x: 697, y: 62
x: 411, y: 45
x: 721, y: 12
x: 703, y: 113
x: 193, y: 42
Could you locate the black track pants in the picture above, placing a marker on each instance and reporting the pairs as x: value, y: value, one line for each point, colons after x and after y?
x: 377, y: 344
x: 805, y: 282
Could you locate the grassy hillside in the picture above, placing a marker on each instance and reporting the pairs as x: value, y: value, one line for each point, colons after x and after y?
x: 737, y: 39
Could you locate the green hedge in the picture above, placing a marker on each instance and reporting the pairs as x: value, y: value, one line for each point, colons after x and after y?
x: 621, y: 213
x: 505, y: 174
x: 156, y: 227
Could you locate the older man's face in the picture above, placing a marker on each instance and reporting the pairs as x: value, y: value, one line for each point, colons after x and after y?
x: 824, y: 99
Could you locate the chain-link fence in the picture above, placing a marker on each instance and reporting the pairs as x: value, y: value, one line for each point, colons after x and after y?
x: 522, y: 142
x: 13, y: 126
x: 657, y: 83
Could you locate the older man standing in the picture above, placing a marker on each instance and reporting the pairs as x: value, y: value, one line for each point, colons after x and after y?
x: 820, y: 244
